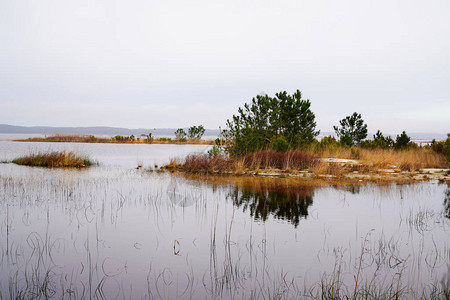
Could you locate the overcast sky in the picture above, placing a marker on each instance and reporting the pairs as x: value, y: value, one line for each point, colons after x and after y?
x: 143, y: 63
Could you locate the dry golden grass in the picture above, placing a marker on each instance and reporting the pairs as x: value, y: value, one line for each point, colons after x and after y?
x: 412, y: 159
x: 373, y: 160
x: 333, y: 152
x: 416, y: 158
x: 326, y: 168
x: 173, y: 165
x: 239, y: 167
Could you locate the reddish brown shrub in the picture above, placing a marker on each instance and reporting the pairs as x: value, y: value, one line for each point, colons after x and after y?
x: 293, y: 159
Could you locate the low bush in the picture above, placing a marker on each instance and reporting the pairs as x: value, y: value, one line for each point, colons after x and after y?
x: 208, y: 164
x: 280, y: 144
x: 442, y: 147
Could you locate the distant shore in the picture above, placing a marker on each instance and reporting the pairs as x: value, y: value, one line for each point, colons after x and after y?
x: 118, y: 139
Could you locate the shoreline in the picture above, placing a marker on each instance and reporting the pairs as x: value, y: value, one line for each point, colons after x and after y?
x: 305, y: 177
x: 379, y: 176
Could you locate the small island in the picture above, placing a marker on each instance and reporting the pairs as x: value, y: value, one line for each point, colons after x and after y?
x: 277, y: 136
x: 54, y: 159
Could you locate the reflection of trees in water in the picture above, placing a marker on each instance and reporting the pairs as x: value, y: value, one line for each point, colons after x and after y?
x: 285, y: 205
x: 447, y: 201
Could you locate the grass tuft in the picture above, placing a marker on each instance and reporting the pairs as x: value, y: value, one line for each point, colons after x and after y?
x: 54, y: 159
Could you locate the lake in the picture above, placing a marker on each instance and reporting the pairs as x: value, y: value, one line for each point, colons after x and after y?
x: 113, y: 231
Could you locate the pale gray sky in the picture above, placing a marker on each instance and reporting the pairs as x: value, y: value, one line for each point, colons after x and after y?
x: 142, y: 63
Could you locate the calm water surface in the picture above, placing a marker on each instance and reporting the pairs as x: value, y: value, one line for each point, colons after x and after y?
x: 111, y: 155
x: 116, y: 232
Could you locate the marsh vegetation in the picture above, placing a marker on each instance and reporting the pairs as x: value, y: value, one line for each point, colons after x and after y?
x: 54, y: 159
x: 339, y: 163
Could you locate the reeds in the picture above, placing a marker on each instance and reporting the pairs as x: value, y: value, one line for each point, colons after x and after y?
x: 330, y: 169
x: 271, y: 159
x: 208, y: 164
x: 409, y: 159
x: 54, y: 159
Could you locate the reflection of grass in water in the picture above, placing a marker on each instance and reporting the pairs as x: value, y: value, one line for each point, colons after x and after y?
x: 55, y: 159
x: 380, y: 271
x: 423, y: 220
x: 266, y: 183
x: 447, y: 201
x: 37, y: 265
